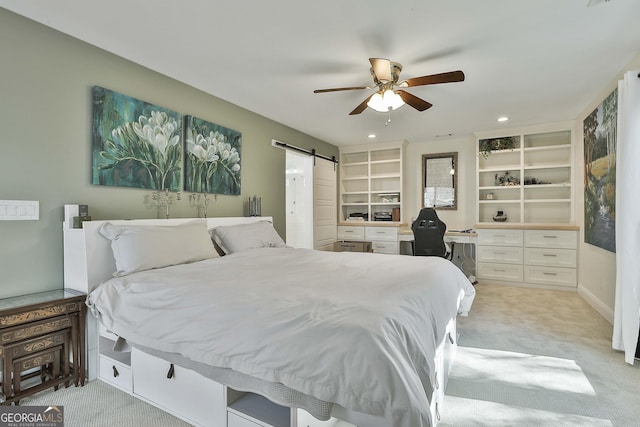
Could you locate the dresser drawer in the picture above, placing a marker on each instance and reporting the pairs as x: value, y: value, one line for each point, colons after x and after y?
x: 381, y: 233
x: 350, y: 232
x: 505, y: 255
x: 550, y: 257
x: 508, y: 272
x: 457, y: 238
x: 115, y: 373
x: 563, y: 239
x: 383, y: 247
x: 500, y: 237
x: 550, y: 276
x: 183, y: 392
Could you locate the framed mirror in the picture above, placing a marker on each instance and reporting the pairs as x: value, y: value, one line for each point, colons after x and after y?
x: 439, y: 181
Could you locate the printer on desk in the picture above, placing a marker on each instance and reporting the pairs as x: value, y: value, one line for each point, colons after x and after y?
x: 382, y: 216
x: 358, y: 216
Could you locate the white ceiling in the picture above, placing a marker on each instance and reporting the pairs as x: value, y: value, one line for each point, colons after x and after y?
x: 536, y: 61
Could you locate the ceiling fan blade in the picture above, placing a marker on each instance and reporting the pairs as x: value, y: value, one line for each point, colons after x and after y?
x: 337, y: 89
x: 412, y: 100
x: 360, y: 108
x: 381, y: 69
x: 450, y: 77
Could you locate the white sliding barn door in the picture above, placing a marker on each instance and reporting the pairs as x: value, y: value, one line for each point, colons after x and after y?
x: 299, y: 192
x: 324, y: 205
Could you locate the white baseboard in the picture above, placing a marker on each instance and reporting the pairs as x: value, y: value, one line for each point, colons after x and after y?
x: 604, y: 310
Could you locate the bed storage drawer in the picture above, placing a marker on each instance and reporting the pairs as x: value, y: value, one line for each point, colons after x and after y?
x: 180, y: 391
x: 114, y: 367
x: 238, y: 421
x: 439, y: 383
x: 116, y: 373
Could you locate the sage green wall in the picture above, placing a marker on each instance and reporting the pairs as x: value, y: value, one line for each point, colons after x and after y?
x: 45, y: 144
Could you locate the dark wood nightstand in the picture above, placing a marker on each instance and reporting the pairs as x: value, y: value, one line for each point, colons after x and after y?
x: 41, y: 335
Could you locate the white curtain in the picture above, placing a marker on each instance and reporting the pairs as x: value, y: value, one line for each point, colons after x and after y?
x: 627, y: 305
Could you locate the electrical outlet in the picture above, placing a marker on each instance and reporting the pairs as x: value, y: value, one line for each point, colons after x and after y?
x: 19, y: 210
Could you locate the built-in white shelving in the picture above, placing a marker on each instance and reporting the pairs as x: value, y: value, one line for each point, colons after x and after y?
x: 371, y: 182
x: 530, y: 182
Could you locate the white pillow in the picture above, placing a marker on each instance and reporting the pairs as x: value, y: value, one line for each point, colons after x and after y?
x: 144, y: 247
x: 240, y: 237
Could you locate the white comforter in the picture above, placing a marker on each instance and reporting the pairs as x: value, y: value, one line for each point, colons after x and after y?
x: 355, y: 329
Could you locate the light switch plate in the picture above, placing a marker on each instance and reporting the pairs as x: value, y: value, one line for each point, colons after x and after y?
x: 19, y: 210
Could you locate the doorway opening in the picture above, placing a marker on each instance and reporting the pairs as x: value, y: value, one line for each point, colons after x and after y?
x: 299, y: 200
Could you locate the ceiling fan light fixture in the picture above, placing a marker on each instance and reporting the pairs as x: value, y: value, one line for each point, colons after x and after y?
x: 385, y: 101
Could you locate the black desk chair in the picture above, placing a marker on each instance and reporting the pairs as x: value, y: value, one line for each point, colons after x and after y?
x: 428, y: 234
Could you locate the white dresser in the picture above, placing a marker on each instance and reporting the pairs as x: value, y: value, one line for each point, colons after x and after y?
x: 529, y: 256
x: 383, y: 238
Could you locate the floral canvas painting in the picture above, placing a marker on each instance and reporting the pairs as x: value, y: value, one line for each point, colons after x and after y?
x: 135, y: 144
x: 600, y: 135
x: 212, y: 157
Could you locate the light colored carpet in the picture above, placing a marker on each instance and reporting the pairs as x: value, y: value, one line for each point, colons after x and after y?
x: 531, y: 357
x: 527, y: 357
x: 97, y: 404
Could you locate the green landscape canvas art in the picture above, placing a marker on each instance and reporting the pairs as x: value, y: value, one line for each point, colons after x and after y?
x: 600, y: 135
x: 212, y: 157
x: 135, y: 143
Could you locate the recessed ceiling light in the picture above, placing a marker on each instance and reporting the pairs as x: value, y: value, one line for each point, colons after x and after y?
x: 503, y: 119
x: 371, y: 135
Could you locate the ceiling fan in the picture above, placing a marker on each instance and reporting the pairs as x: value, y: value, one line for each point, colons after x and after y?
x: 389, y: 94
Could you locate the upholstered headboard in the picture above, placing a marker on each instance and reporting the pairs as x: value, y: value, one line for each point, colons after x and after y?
x: 88, y: 258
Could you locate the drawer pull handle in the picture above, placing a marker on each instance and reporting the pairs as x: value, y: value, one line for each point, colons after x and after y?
x: 437, y: 383
x: 550, y: 237
x: 115, y: 372
x: 500, y: 270
x: 437, y: 412
x: 498, y: 253
x: 171, y: 372
x: 450, y: 338
x: 552, y: 255
x: 546, y: 273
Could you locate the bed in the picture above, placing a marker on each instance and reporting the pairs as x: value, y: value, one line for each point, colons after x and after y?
x: 355, y: 336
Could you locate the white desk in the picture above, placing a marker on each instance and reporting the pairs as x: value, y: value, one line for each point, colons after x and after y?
x: 406, y: 235
x: 465, y: 258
